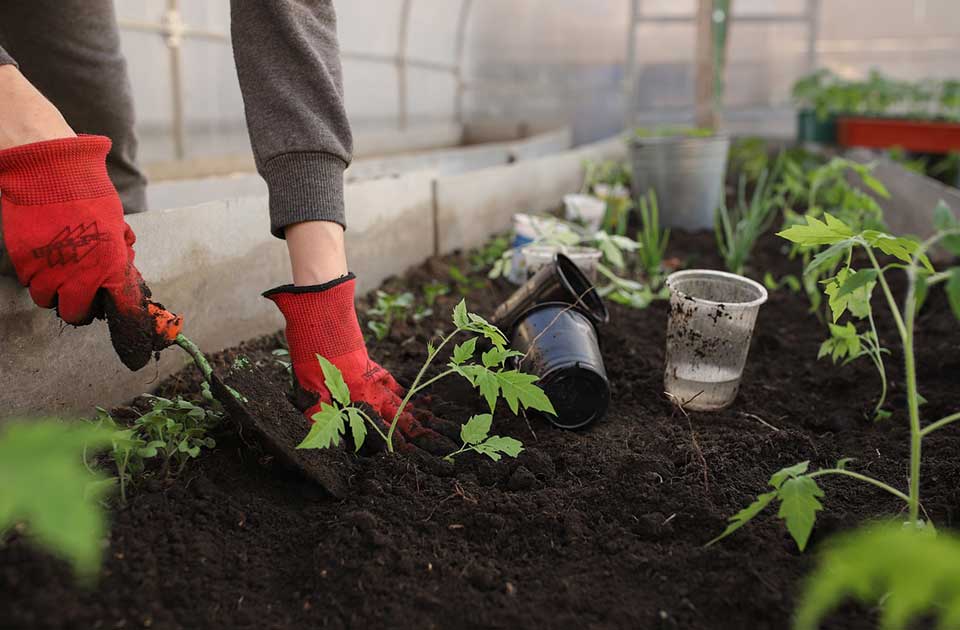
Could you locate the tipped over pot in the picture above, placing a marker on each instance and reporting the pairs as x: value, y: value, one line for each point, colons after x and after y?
x: 560, y: 281
x: 559, y: 345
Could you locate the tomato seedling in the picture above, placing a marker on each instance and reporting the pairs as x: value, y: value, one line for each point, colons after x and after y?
x: 795, y: 487
x: 475, y: 435
x: 491, y: 377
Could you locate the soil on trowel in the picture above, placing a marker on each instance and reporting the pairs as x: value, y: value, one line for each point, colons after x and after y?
x: 598, y: 528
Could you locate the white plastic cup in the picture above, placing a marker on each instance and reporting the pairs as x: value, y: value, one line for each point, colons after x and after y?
x: 712, y: 314
x: 586, y: 258
x: 585, y: 208
x: 606, y: 191
x: 527, y: 229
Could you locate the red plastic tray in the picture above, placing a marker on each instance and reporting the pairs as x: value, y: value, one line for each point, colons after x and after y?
x: 921, y: 136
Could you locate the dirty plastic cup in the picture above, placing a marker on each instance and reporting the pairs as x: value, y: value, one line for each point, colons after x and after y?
x: 559, y: 281
x: 586, y: 258
x: 586, y: 208
x: 711, y: 320
x: 559, y: 345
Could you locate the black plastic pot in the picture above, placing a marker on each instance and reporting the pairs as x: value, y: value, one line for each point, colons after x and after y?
x: 560, y: 346
x: 561, y: 281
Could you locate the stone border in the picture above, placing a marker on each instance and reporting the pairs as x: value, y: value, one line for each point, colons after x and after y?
x: 211, y: 261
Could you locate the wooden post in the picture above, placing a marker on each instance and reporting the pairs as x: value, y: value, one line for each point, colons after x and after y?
x: 706, y: 116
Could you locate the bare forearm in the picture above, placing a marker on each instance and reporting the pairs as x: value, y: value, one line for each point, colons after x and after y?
x: 28, y: 116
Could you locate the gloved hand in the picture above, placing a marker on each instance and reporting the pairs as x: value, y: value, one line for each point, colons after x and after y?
x: 322, y: 320
x: 64, y: 232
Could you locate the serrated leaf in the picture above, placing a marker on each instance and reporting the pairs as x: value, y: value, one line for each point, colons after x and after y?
x: 518, y: 388
x: 358, y: 427
x: 828, y: 257
x: 904, y: 574
x: 463, y: 352
x: 817, y: 232
x: 328, y: 426
x: 952, y: 289
x: 495, y: 357
x: 476, y: 428
x: 745, y: 515
x: 506, y: 445
x: 495, y: 447
x: 777, y: 479
x: 799, y: 507
x: 333, y: 379
x: 460, y: 318
x: 856, y: 280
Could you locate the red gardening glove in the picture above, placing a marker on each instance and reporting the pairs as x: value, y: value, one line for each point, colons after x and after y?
x: 64, y: 231
x: 323, y: 320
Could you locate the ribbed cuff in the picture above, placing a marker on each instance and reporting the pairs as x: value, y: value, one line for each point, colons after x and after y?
x: 56, y: 171
x: 304, y: 187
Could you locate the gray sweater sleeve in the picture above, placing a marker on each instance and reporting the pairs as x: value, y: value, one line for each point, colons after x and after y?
x: 6, y: 59
x: 288, y: 62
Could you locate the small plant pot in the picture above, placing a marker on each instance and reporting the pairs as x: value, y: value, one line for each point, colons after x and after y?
x: 560, y: 281
x: 560, y: 346
x: 585, y: 208
x: 919, y: 136
x: 711, y: 320
x: 812, y: 128
x: 586, y: 258
x: 529, y: 228
x: 687, y: 173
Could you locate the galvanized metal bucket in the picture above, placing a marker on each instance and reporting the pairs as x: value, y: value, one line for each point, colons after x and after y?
x: 687, y: 174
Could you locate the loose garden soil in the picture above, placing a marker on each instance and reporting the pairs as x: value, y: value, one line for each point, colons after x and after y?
x: 600, y: 528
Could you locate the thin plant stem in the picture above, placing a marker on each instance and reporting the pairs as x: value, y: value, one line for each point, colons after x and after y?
x: 849, y: 473
x: 413, y: 388
x: 433, y: 380
x: 939, y: 424
x: 878, y: 361
x: 905, y: 327
x: 373, y: 424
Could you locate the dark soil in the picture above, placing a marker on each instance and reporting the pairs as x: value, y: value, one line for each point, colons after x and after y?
x: 601, y: 528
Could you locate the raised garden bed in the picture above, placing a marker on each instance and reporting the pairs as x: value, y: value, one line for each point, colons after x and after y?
x: 599, y: 528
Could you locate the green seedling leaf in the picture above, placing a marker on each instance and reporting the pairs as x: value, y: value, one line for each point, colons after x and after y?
x: 745, y: 515
x: 495, y: 357
x: 817, y: 232
x: 495, y: 447
x: 904, y: 574
x: 460, y: 318
x: 333, y: 379
x: 952, y: 289
x: 874, y: 184
x: 900, y: 247
x: 799, y: 507
x: 47, y: 486
x: 790, y: 472
x: 358, y: 427
x: 328, y: 426
x: 464, y: 352
x: 856, y: 280
x: 829, y: 256
x: 516, y: 387
x: 844, y: 342
x: 476, y: 429
x: 945, y: 221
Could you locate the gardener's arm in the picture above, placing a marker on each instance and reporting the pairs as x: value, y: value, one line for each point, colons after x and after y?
x: 62, y: 223
x: 288, y: 61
